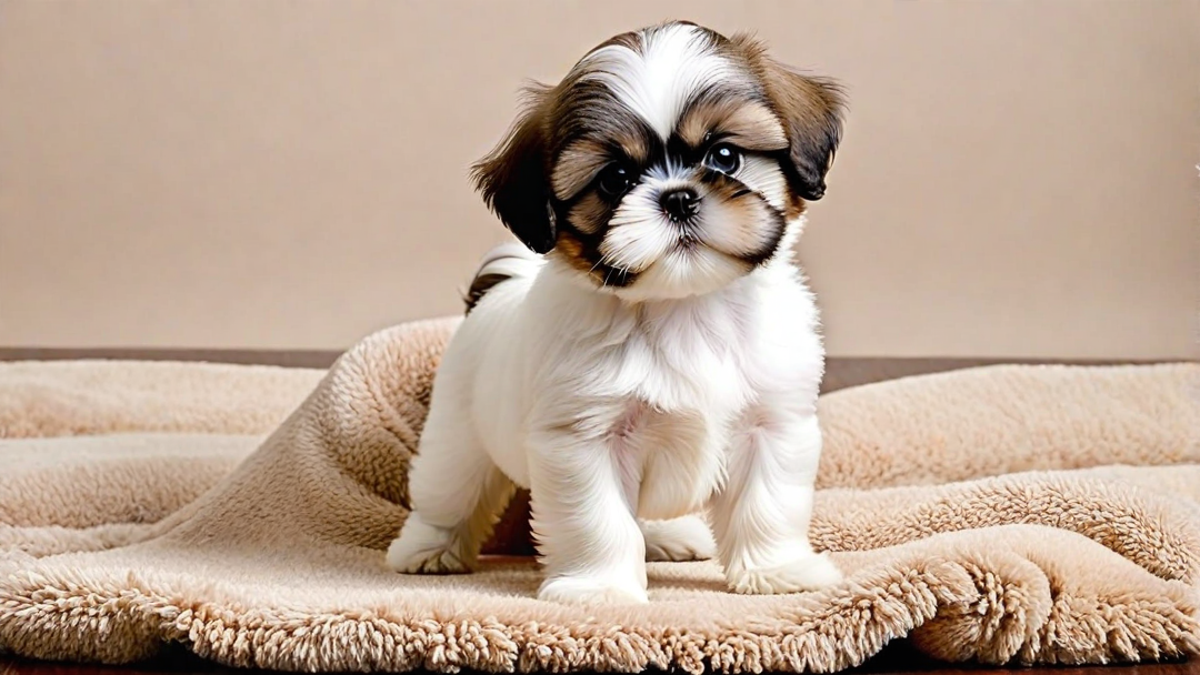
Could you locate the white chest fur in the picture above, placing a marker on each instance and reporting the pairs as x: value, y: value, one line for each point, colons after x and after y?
x: 660, y: 386
x: 657, y: 388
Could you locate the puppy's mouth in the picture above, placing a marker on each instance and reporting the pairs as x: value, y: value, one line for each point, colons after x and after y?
x: 688, y: 237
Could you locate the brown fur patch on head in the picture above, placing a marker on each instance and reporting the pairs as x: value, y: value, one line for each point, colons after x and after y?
x: 633, y: 144
x: 590, y: 213
x: 577, y: 166
x: 745, y: 123
x: 811, y: 109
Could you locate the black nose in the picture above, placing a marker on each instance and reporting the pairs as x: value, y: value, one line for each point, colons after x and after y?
x: 680, y: 203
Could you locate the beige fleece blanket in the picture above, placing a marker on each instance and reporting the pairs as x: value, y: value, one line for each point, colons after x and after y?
x: 1016, y: 513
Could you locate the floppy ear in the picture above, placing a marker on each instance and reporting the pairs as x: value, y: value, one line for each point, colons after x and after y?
x: 513, y: 179
x: 811, y: 109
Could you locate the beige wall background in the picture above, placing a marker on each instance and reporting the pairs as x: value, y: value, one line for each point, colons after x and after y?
x: 1017, y: 178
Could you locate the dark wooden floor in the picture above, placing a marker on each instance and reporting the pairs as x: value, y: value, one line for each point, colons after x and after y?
x: 841, y: 372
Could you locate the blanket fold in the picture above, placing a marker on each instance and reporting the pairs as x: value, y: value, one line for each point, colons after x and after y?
x: 1032, y: 514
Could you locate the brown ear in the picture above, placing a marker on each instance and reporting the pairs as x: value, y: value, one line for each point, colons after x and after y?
x: 811, y: 109
x: 513, y: 179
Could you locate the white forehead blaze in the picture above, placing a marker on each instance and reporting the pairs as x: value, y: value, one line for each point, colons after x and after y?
x: 674, y: 64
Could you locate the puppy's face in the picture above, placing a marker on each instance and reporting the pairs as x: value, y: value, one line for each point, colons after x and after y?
x: 667, y: 163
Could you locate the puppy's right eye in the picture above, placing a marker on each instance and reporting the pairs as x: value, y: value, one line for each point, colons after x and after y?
x: 724, y: 158
x: 614, y: 180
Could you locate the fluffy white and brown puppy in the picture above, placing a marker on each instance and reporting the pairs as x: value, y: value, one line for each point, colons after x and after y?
x: 649, y: 368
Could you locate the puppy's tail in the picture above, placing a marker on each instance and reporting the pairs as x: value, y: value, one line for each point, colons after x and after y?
x: 502, y: 263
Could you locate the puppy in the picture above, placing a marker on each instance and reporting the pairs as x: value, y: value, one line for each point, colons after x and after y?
x: 652, y: 356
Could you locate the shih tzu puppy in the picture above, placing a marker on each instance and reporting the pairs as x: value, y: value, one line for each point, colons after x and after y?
x: 648, y: 364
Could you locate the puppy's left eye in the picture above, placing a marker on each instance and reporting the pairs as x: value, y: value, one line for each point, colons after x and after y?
x: 615, y: 180
x: 724, y: 158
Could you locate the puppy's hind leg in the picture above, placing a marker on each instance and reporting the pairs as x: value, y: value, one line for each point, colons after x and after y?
x: 679, y: 539
x: 457, y: 495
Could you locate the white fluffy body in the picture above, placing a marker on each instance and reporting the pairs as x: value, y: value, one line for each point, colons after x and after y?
x: 613, y: 412
x: 645, y: 426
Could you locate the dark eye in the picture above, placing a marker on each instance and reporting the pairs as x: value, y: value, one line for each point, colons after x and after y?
x: 614, y: 180
x: 724, y: 158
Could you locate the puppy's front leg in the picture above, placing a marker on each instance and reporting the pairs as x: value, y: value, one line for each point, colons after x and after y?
x: 760, y: 517
x: 583, y: 519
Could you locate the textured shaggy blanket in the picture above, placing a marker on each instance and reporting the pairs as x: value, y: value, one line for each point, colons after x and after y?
x: 1040, y: 514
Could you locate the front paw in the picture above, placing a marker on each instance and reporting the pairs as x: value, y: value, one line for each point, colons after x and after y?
x: 424, y: 549
x: 809, y: 573
x: 586, y: 591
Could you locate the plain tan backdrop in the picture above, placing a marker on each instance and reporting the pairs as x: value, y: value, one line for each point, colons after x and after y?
x: 1017, y: 178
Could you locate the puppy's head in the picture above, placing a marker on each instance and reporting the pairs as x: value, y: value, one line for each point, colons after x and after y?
x: 667, y: 163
